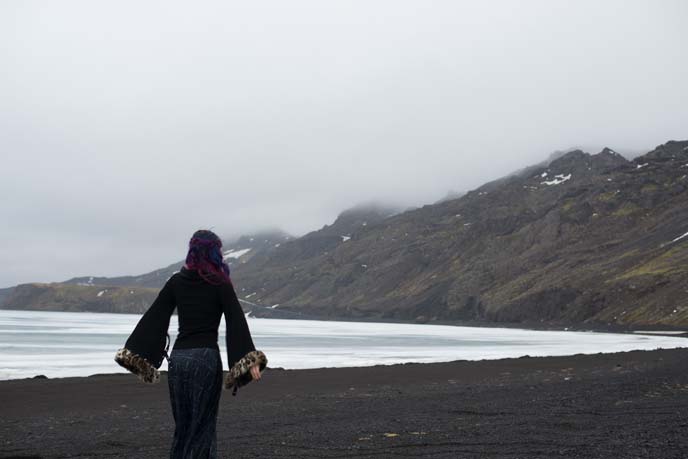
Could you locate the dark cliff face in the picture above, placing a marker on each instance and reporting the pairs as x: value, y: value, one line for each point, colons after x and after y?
x: 586, y: 239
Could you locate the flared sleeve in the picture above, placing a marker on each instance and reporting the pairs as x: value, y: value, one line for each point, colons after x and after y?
x: 145, y: 348
x: 241, y: 352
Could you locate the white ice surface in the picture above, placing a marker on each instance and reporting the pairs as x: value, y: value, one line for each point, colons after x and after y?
x: 60, y: 344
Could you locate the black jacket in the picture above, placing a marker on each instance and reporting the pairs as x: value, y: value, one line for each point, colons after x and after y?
x: 200, y: 306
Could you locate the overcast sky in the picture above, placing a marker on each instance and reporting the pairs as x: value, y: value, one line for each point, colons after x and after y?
x: 125, y: 126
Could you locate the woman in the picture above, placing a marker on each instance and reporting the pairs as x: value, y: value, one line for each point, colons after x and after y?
x: 202, y: 292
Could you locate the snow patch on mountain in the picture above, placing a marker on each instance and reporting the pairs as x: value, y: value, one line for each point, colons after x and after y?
x: 235, y: 253
x: 558, y: 179
x: 679, y: 238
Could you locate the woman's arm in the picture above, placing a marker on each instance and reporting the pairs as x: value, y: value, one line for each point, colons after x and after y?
x: 244, y: 361
x: 239, y: 341
x: 143, y: 352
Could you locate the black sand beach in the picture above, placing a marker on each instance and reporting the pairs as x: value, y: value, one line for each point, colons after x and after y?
x: 625, y: 405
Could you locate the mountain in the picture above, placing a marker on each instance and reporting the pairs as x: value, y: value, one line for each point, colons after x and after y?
x: 581, y: 238
x: 593, y: 239
x: 132, y: 294
x: 75, y: 298
x: 5, y: 293
x: 452, y: 194
x: 235, y: 252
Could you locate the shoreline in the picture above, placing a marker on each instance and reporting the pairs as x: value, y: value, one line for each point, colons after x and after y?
x: 378, y: 365
x: 657, y: 329
x: 616, y: 405
x: 665, y: 330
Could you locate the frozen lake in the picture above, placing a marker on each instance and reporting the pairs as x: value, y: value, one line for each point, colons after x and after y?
x: 59, y: 344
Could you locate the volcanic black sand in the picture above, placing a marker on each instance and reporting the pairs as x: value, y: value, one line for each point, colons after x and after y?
x: 626, y: 405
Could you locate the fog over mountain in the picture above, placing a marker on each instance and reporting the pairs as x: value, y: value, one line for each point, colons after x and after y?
x: 126, y: 126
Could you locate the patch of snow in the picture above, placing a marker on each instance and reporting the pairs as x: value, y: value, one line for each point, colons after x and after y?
x: 131, y: 292
x: 249, y: 296
x: 88, y: 283
x: 235, y: 253
x: 364, y: 223
x: 101, y: 292
x: 345, y: 238
x: 679, y: 238
x: 466, y: 224
x: 277, y: 245
x: 640, y: 166
x: 609, y: 180
x: 543, y: 175
x: 364, y: 266
x: 558, y: 179
x: 274, y: 306
x: 251, y: 239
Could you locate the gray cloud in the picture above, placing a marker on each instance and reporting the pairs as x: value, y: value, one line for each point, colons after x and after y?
x: 125, y: 126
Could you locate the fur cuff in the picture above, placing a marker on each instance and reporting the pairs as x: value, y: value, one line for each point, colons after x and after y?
x: 240, y: 374
x: 137, y: 365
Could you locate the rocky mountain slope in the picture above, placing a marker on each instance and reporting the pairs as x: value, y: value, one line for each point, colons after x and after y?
x: 578, y: 239
x: 585, y: 239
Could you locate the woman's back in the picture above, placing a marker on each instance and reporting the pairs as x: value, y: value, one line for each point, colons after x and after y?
x: 199, y: 308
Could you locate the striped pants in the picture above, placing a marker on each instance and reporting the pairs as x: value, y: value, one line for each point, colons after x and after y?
x: 195, y: 381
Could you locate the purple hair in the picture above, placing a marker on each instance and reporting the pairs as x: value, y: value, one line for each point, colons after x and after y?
x: 205, y: 257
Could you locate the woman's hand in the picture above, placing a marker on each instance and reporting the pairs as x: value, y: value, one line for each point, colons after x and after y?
x: 255, y: 371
